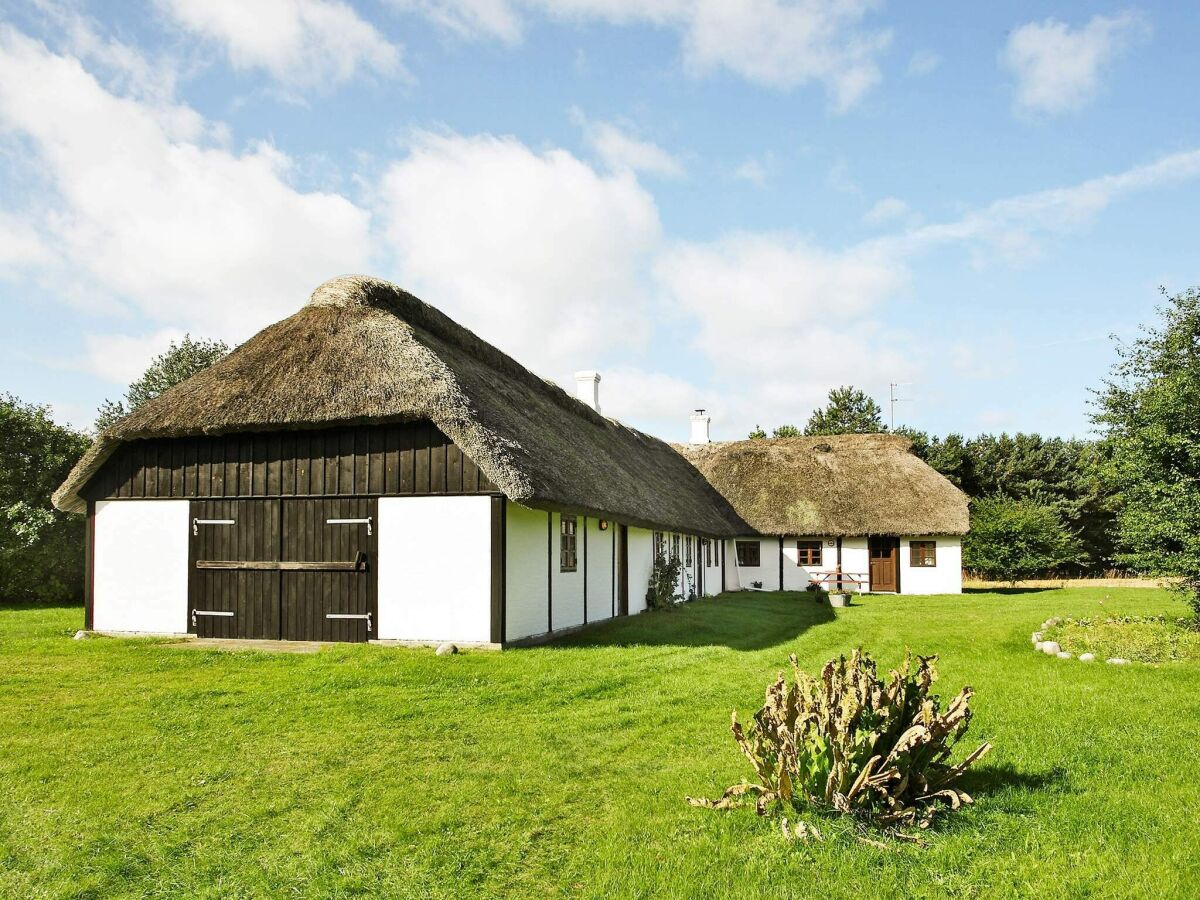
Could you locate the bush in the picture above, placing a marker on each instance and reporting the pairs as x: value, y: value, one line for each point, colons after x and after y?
x: 664, y: 577
x: 1014, y: 539
x: 41, y: 549
x: 849, y: 743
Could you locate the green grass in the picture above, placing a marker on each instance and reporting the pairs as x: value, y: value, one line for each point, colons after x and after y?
x: 131, y: 767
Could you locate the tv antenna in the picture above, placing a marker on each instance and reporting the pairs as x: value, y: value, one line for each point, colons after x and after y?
x: 893, y: 400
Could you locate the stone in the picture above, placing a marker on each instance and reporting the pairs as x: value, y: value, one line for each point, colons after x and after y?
x: 1117, y: 661
x: 1050, y: 648
x: 1063, y: 654
x: 1087, y: 657
x: 1037, y: 637
x: 81, y: 636
x: 446, y: 649
x: 1052, y: 622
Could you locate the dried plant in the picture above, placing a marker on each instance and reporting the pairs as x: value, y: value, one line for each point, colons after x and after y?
x: 848, y: 742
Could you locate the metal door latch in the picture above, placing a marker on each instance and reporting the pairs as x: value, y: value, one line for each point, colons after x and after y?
x: 220, y: 613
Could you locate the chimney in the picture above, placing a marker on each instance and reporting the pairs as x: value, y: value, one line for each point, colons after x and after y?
x: 700, y: 423
x: 587, y: 388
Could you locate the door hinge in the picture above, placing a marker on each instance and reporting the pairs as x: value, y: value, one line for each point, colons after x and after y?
x: 366, y: 616
x: 366, y: 521
x: 221, y: 613
x: 196, y: 523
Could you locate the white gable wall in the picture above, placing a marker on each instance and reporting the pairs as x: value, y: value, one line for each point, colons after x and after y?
x: 140, y: 571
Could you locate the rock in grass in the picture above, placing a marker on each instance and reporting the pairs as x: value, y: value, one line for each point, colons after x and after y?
x: 81, y: 636
x: 1037, y: 637
x: 1117, y: 661
x: 1050, y: 648
x: 1063, y: 654
x: 1087, y: 657
x: 446, y: 649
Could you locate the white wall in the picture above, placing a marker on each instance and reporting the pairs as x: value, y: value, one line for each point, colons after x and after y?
x: 141, y: 566
x: 525, y: 572
x: 641, y: 562
x: 600, y: 575
x: 854, y: 562
x: 435, y: 569
x: 768, y: 572
x: 567, y: 599
x: 944, y: 578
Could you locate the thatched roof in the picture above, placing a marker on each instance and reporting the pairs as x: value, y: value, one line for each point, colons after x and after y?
x: 362, y: 350
x: 849, y: 484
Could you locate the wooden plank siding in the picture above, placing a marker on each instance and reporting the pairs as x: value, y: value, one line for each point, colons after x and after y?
x: 368, y: 460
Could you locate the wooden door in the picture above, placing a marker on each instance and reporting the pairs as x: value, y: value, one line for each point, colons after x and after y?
x: 622, y: 570
x: 884, y: 555
x: 233, y: 578
x: 327, y: 569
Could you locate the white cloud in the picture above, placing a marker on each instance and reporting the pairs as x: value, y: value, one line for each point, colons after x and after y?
x: 301, y: 43
x: 756, y: 169
x: 120, y: 358
x: 1058, y: 69
x: 841, y: 180
x: 886, y: 211
x: 923, y: 62
x: 768, y: 42
x: 620, y: 150
x: 21, y: 247
x: 537, y: 251
x: 145, y: 205
x: 659, y: 402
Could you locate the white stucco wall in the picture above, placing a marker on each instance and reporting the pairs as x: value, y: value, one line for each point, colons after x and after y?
x: 711, y: 574
x: 600, y: 575
x: 141, y: 566
x: 641, y: 562
x: 525, y: 572
x: 944, y: 578
x: 435, y: 569
x: 567, y: 600
x: 768, y: 572
x: 854, y: 562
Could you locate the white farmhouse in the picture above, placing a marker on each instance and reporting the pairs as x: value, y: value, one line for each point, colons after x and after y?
x: 368, y: 469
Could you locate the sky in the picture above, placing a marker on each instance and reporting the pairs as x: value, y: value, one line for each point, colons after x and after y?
x: 727, y: 204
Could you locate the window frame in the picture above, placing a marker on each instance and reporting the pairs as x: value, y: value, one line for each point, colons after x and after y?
x: 922, y: 554
x: 804, y: 552
x: 739, y: 546
x: 568, y: 543
x: 706, y: 550
x: 687, y: 551
x: 659, y: 547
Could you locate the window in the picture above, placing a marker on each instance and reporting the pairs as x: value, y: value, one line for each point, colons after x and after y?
x: 706, y: 548
x: 808, y: 553
x: 922, y: 554
x: 675, y: 546
x: 748, y: 553
x: 566, y: 546
x: 660, y: 546
x: 688, y: 551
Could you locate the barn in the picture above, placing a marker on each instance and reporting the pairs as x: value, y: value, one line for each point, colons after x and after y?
x: 367, y: 469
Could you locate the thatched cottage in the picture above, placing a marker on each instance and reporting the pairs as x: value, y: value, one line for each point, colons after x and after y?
x: 368, y: 469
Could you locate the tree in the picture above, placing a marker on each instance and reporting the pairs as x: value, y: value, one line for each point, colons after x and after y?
x: 757, y: 433
x: 41, y: 549
x: 180, y: 362
x: 786, y: 431
x: 849, y: 411
x: 1014, y: 539
x: 1150, y: 411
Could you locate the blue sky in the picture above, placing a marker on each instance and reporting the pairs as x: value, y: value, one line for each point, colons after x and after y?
x: 734, y: 204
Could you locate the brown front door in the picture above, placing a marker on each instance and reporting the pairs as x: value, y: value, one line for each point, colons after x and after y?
x: 622, y: 570
x: 327, y: 569
x: 233, y: 579
x: 885, y: 563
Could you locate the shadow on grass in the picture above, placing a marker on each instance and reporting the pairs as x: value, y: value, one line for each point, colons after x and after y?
x: 987, y: 780
x: 1009, y: 590
x: 740, y: 621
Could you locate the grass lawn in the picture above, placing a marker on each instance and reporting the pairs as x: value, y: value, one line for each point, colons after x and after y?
x: 131, y: 767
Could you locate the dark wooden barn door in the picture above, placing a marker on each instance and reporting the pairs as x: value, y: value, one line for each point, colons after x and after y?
x: 233, y: 579
x: 622, y: 570
x: 884, y: 554
x: 327, y: 569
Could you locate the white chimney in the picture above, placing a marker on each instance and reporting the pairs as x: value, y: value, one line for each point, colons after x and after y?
x: 587, y: 388
x: 700, y: 423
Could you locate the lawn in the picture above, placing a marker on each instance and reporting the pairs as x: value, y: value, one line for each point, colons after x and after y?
x: 134, y: 767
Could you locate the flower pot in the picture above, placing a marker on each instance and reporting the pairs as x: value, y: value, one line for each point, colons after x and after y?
x: 839, y: 599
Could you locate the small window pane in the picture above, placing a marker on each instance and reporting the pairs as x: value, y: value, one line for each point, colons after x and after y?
x: 567, y: 558
x: 808, y: 553
x: 748, y: 553
x: 922, y: 554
